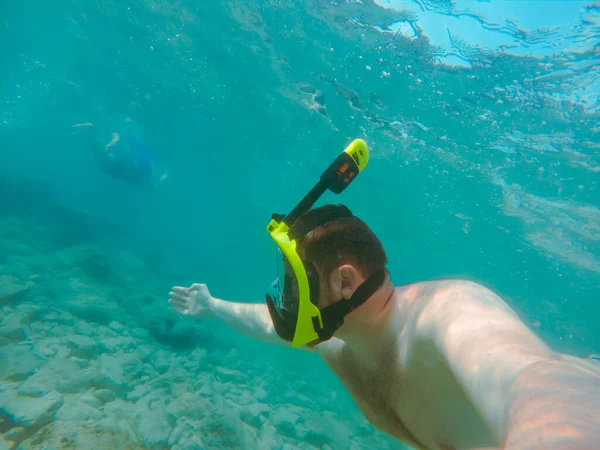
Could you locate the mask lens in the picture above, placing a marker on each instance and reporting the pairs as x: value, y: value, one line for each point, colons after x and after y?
x: 284, y: 290
x: 275, y: 294
x: 290, y: 293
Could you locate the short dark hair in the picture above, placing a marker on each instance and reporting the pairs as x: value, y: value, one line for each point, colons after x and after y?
x: 346, y: 240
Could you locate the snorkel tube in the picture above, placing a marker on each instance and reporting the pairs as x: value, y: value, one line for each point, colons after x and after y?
x: 336, y: 178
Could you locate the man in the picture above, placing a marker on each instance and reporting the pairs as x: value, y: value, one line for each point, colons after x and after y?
x: 123, y: 155
x: 439, y: 365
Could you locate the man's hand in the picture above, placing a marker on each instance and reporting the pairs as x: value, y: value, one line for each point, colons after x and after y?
x: 193, y: 301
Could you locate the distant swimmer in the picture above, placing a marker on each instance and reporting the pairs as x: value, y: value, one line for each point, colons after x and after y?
x: 440, y: 365
x: 123, y: 155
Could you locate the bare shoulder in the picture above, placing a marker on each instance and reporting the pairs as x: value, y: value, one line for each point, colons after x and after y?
x: 470, y: 326
x: 460, y: 315
x: 437, y: 303
x: 443, y: 291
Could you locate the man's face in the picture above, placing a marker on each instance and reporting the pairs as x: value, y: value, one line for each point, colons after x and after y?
x: 325, y: 297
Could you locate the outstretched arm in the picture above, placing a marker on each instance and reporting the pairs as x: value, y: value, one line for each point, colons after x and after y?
x: 250, y: 319
x: 532, y: 397
x: 555, y: 405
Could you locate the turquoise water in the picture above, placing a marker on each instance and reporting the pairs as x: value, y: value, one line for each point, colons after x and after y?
x: 482, y: 118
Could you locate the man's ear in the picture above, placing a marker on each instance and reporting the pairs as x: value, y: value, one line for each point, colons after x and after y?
x: 349, y: 280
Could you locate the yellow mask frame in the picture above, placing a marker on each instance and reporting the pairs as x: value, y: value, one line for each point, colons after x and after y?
x: 336, y: 178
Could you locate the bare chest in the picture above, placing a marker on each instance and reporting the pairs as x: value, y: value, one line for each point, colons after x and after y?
x: 376, y: 393
x: 423, y: 407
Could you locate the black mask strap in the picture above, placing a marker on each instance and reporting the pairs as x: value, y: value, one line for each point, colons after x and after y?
x: 318, y: 220
x: 333, y: 315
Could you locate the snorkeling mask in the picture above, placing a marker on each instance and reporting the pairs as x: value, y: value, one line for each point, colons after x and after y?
x: 292, y: 297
